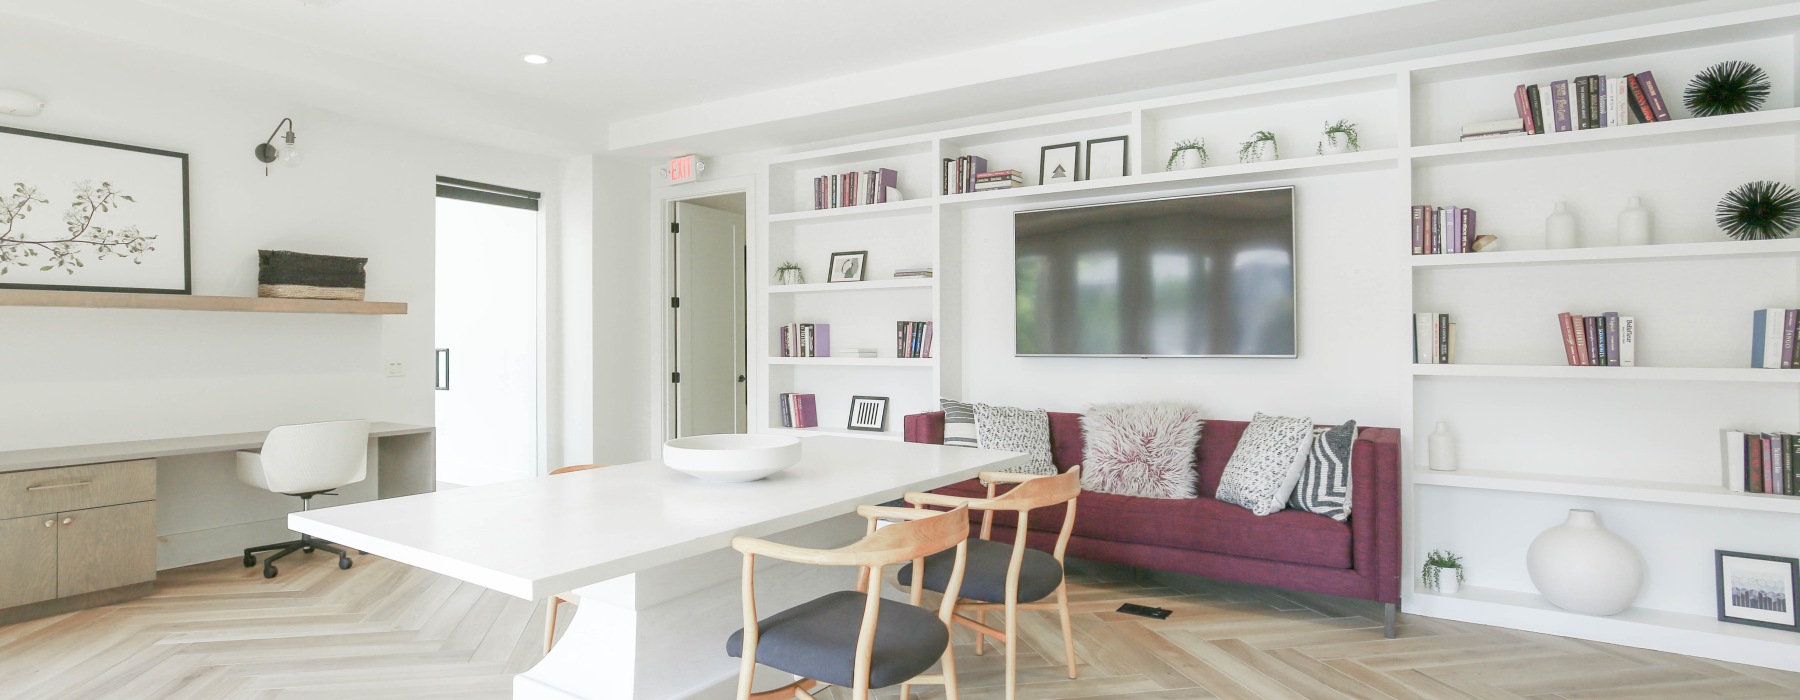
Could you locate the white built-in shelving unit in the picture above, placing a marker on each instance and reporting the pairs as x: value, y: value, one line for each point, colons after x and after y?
x: 1638, y: 444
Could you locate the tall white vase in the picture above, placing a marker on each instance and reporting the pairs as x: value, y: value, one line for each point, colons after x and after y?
x: 1634, y: 223
x: 1580, y: 566
x: 1559, y: 228
x: 1443, y: 450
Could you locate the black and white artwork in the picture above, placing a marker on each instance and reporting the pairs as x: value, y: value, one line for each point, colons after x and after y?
x: 80, y: 214
x: 1059, y: 164
x: 1107, y: 157
x: 851, y: 266
x: 1756, y: 589
x: 868, y: 413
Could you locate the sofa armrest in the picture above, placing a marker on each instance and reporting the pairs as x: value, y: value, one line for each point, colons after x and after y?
x: 1376, y: 484
x: 925, y: 427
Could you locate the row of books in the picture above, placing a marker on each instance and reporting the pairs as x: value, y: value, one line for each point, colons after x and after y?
x: 1607, y: 340
x: 1761, y: 462
x: 912, y: 338
x: 1772, y: 338
x: 806, y: 340
x: 1434, y: 339
x: 799, y: 411
x: 999, y: 180
x: 959, y: 173
x: 878, y: 186
x: 912, y: 272
x: 1442, y: 230
x: 1590, y: 102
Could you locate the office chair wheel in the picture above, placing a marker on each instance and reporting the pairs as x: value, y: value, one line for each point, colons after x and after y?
x: 308, y: 550
x: 249, y: 561
x: 268, y: 571
x: 344, y: 562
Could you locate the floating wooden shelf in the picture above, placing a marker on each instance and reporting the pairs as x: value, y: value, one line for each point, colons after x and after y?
x: 185, y: 302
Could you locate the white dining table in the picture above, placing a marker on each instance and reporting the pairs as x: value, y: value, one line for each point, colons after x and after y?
x: 648, y: 551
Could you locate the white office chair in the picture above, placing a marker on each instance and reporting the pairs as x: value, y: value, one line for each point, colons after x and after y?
x: 306, y: 460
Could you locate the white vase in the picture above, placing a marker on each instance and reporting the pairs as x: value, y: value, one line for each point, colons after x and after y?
x: 1187, y: 159
x: 1334, y: 144
x: 1559, y: 228
x: 1634, y: 223
x: 1580, y: 566
x: 1448, y: 583
x: 789, y: 277
x: 1263, y: 152
x: 1443, y: 450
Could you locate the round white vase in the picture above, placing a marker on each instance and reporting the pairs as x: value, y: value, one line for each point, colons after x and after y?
x: 1580, y: 566
x: 1443, y: 450
x: 1334, y: 146
x: 1559, y: 228
x: 1634, y: 223
x: 1187, y: 160
x: 1262, y: 155
x: 1448, y: 583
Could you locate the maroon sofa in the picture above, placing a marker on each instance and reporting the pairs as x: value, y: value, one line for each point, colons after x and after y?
x: 1203, y: 536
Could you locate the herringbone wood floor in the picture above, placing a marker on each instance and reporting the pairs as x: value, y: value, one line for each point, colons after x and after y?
x: 384, y: 630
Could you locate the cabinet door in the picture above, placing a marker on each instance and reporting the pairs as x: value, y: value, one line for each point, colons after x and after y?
x: 27, y: 560
x: 101, y: 548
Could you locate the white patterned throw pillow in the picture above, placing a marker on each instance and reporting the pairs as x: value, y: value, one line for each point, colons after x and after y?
x: 1140, y: 449
x: 1016, y: 430
x: 1324, y: 486
x: 1266, y: 464
x: 959, y: 424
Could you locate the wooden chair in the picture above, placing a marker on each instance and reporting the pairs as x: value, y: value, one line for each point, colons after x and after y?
x: 557, y: 600
x: 1009, y: 578
x: 825, y: 640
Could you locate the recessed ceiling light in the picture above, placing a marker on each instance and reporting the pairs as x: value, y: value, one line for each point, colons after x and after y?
x: 536, y: 59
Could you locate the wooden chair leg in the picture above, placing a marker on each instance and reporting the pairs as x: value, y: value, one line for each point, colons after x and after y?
x: 1012, y: 654
x: 1062, y: 609
x: 550, y: 622
x: 980, y: 639
x: 949, y: 672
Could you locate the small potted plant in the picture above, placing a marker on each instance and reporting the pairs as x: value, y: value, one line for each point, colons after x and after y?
x: 1187, y: 155
x: 789, y: 273
x: 1437, y: 563
x: 1339, y: 137
x: 1260, y: 147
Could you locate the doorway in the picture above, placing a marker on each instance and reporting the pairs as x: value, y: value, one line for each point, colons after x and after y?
x: 708, y: 307
x: 488, y: 243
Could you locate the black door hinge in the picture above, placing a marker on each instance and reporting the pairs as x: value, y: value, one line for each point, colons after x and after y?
x: 674, y: 302
x: 675, y: 377
x: 674, y: 227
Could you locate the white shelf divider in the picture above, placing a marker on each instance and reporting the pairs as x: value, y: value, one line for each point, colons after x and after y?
x: 868, y: 286
x: 1693, y: 374
x: 920, y: 362
x: 861, y: 211
x: 1775, y: 122
x: 1619, y: 489
x: 1719, y: 250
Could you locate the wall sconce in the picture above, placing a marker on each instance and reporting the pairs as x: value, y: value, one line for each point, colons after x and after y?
x: 287, y: 154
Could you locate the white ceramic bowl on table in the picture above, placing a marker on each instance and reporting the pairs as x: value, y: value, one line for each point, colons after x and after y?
x: 731, y: 458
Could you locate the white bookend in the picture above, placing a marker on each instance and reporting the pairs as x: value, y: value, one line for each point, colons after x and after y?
x: 1773, y: 330
x: 1627, y: 341
x: 1734, y: 459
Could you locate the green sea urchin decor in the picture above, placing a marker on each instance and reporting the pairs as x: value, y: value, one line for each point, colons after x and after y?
x: 1732, y: 87
x: 1759, y: 210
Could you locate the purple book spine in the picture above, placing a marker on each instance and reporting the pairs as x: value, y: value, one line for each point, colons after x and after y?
x: 1593, y: 340
x: 1612, y: 338
x: 1468, y: 219
x: 1657, y: 107
x: 1559, y: 100
x: 887, y: 178
x: 809, y: 412
x: 821, y: 337
x: 1787, y: 339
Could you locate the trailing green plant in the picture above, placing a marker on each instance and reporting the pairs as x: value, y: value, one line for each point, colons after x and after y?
x: 1438, y: 561
x: 1198, y: 146
x: 1732, y: 87
x: 1759, y: 210
x: 1251, y: 148
x: 790, y: 265
x: 85, y: 234
x: 1343, y: 129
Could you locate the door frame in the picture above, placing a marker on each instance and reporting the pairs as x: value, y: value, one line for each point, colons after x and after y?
x: 663, y: 199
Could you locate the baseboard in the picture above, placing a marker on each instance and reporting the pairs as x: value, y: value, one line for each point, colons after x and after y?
x: 58, y: 606
x: 212, y: 544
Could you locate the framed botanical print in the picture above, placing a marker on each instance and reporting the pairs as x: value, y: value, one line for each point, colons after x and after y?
x: 1757, y: 589
x: 1059, y: 164
x: 80, y: 214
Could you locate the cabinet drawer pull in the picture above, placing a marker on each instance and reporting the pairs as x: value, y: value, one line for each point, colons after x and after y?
x: 68, y: 521
x: 47, y: 487
x: 49, y: 523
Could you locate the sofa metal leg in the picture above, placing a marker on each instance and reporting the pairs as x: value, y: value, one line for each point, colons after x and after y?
x: 1388, y: 613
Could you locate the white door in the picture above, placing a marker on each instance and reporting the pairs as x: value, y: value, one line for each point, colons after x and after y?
x: 710, y: 392
x: 486, y: 318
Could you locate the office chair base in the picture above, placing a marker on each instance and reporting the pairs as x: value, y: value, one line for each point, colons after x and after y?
x: 306, y: 543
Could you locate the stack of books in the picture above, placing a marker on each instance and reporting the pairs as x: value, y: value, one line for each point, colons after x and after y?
x: 1761, y: 462
x: 799, y: 411
x: 1434, y: 339
x: 1772, y: 339
x: 1442, y: 230
x: 912, y: 339
x: 806, y: 340
x: 958, y: 174
x: 851, y: 189
x: 999, y: 180
x: 1590, y: 102
x: 1607, y: 340
x: 912, y: 272
x: 860, y: 352
x: 1500, y: 128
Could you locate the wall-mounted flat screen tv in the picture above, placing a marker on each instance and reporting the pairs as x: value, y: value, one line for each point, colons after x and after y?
x: 1198, y: 276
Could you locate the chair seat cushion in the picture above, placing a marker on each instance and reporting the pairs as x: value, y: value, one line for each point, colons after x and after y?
x: 817, y: 640
x: 984, y: 576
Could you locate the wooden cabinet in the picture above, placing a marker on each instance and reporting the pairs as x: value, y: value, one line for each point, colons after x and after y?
x: 103, y: 548
x: 75, y: 537
x: 28, y: 553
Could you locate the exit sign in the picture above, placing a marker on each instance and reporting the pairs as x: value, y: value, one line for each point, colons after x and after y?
x: 684, y: 169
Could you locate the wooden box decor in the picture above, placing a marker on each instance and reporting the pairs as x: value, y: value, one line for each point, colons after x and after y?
x: 283, y: 274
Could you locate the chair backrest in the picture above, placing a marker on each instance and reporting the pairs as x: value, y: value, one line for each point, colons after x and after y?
x: 576, y: 468
x: 1040, y: 492
x: 316, y: 456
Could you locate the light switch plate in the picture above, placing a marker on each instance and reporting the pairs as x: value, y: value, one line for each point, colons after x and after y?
x: 396, y: 369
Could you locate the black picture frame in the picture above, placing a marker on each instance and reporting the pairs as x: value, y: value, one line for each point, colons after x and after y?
x: 1075, y: 163
x: 861, y: 270
x: 1788, y: 593
x: 187, y: 215
x: 1087, y: 172
x: 443, y: 369
x: 873, y: 412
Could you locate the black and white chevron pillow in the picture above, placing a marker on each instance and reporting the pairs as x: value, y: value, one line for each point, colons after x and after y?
x: 959, y: 423
x: 1324, y: 486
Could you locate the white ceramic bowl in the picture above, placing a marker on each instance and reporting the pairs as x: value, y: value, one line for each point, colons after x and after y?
x: 731, y: 457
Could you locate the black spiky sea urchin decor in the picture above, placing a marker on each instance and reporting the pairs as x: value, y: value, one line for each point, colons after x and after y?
x: 1732, y: 87
x: 1759, y: 211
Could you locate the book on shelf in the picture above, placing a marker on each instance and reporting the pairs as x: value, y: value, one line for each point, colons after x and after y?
x: 799, y: 411
x: 1577, y: 104
x: 912, y: 339
x: 1606, y: 340
x: 1434, y: 339
x: 959, y: 173
x: 1773, y: 341
x: 1438, y: 230
x: 912, y: 272
x: 878, y: 186
x: 864, y: 353
x: 998, y: 180
x: 1763, y: 463
x: 1500, y: 128
x: 806, y: 340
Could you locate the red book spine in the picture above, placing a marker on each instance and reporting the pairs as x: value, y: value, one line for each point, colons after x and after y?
x: 1523, y: 104
x: 1753, y: 477
x: 1787, y: 339
x: 1640, y: 103
x: 1581, y: 343
x: 1566, y: 320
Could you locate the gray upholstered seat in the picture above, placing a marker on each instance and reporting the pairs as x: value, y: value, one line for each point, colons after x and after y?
x: 984, y: 578
x: 817, y: 639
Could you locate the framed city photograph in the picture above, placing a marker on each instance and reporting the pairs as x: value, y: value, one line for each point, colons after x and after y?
x: 1757, y: 589
x: 868, y: 413
x: 1059, y: 163
x: 86, y: 215
x: 1107, y: 158
x: 852, y: 266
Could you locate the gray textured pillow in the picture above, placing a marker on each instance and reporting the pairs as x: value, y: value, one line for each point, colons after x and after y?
x: 1324, y: 486
x: 1016, y: 430
x: 1267, y: 463
x: 959, y: 424
x: 1140, y: 449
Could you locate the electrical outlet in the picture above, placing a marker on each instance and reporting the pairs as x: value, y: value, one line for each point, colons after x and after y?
x: 396, y: 369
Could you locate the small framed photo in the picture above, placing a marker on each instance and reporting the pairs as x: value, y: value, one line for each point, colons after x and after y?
x: 1059, y: 163
x: 852, y: 266
x: 1107, y: 158
x: 443, y: 369
x: 1757, y: 589
x: 868, y: 413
